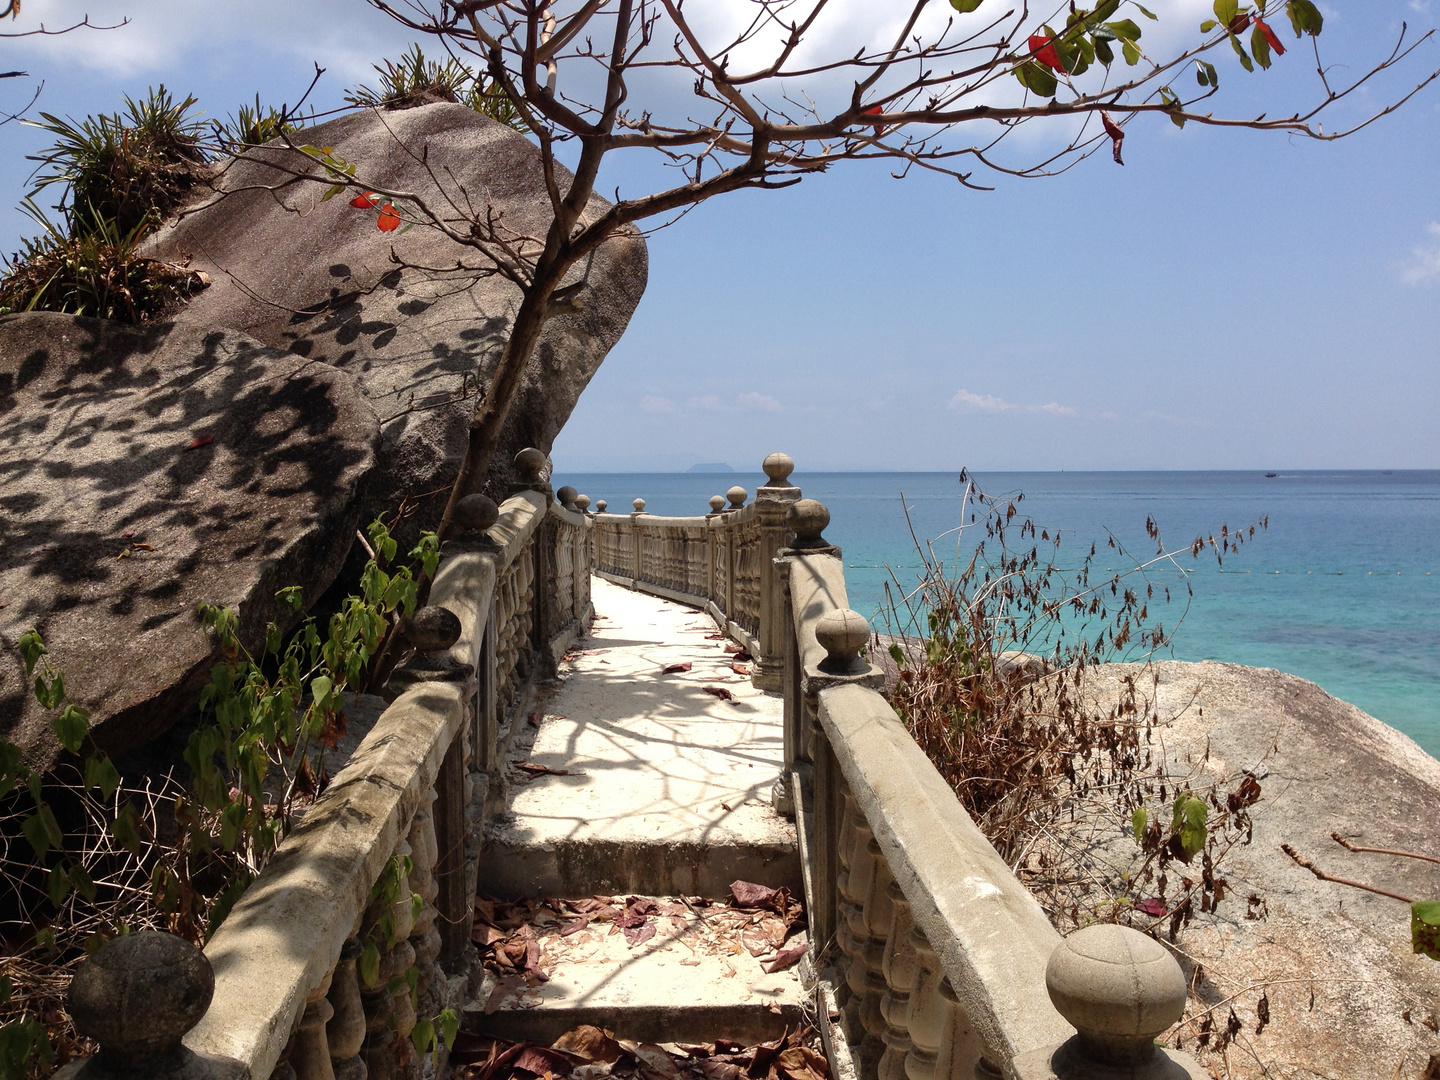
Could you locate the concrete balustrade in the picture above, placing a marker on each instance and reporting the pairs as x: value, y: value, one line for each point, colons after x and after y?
x: 278, y: 991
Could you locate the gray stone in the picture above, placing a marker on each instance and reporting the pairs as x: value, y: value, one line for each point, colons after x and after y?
x: 717, y: 503
x: 842, y: 633
x: 475, y: 514
x: 1323, y: 766
x: 316, y: 278
x: 807, y: 519
x: 432, y: 629
x: 778, y: 467
x: 737, y: 496
x: 146, y: 471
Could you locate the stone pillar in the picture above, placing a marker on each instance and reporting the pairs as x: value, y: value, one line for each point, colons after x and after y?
x: 772, y: 502
x: 345, y: 1032
x: 637, y: 569
x: 1121, y: 990
x: 310, y: 1049
x: 901, y: 967
x: 137, y: 996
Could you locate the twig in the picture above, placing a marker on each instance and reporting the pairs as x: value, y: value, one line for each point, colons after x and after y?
x: 1348, y: 846
x: 1323, y: 876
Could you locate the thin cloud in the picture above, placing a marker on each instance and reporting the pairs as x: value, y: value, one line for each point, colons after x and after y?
x: 707, y: 401
x: 1424, y: 263
x: 760, y: 402
x: 970, y: 402
x: 653, y: 404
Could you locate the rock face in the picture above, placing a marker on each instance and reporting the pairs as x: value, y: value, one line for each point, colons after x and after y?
x: 143, y: 472
x: 316, y: 278
x: 1324, y: 766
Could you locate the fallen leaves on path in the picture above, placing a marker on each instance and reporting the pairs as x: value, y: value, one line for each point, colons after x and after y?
x: 539, y: 770
x: 590, y: 1053
x: 676, y: 669
x: 720, y: 692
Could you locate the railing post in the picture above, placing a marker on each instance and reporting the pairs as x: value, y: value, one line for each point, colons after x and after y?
x: 638, y: 569
x: 772, y: 501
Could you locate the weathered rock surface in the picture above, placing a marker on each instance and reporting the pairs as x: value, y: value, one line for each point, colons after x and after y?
x: 114, y: 529
x: 316, y: 278
x: 1324, y: 766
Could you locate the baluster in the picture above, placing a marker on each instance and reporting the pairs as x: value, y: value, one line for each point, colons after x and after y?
x: 424, y: 934
x: 945, y: 1047
x: 901, y: 968
x: 345, y: 1032
x: 310, y: 1053
x: 869, y: 883
x: 845, y: 905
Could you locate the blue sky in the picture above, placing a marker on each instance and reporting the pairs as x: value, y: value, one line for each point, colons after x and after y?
x: 1227, y: 299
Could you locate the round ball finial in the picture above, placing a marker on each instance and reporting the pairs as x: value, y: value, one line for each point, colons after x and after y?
x: 138, y: 995
x: 531, y: 464
x: 432, y: 630
x: 1120, y: 989
x: 717, y: 503
x: 582, y: 503
x: 778, y: 467
x: 807, y: 519
x: 476, y: 513
x: 842, y: 633
x: 737, y: 496
x: 567, y: 496
x: 600, y: 506
x: 639, y: 505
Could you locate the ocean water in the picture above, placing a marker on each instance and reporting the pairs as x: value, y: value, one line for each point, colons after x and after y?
x: 1342, y: 588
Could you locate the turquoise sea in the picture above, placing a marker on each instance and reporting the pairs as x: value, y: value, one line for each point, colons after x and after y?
x: 1343, y: 588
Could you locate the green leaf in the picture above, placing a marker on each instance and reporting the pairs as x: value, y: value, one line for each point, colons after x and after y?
x: 1131, y: 52
x: 32, y: 647
x: 1103, y: 52
x: 1260, y: 47
x: 50, y: 692
x: 1225, y: 10
x: 1211, y: 73
x: 1208, y: 25
x: 58, y: 885
x: 126, y: 829
x: 1147, y: 13
x: 291, y: 597
x: 1245, y: 60
x: 12, y: 771
x: 332, y: 191
x: 1138, y: 820
x: 965, y: 6
x: 1425, y: 928
x: 897, y: 654
x: 71, y: 727
x: 1189, y: 823
x: 43, y: 831
x: 449, y: 1023
x: 369, y: 964
x: 226, y: 901
x: 1036, y: 79
x: 320, y: 688
x: 422, y: 1035
x: 100, y: 772
x: 84, y: 885
x: 1305, y: 17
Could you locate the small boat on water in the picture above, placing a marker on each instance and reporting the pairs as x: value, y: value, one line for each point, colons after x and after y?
x: 1270, y: 475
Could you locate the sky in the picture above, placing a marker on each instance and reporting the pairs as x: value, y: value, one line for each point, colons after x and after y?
x: 1225, y: 300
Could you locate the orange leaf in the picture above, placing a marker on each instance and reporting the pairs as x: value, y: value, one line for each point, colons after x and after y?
x: 1044, y: 50
x: 367, y: 201
x: 389, y: 219
x: 1271, y: 37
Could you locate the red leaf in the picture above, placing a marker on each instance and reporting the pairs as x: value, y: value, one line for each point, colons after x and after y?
x: 1271, y: 37
x: 200, y: 440
x: 389, y: 219
x: 574, y: 927
x: 675, y: 669
x: 1116, y: 133
x: 785, y: 958
x: 367, y: 201
x: 1238, y: 24
x: 1154, y: 907
x: 720, y: 692
x: 1044, y: 50
x: 749, y: 895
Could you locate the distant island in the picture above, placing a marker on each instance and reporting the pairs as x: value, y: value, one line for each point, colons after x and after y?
x: 710, y: 467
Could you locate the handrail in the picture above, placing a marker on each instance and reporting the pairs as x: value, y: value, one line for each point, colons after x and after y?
x: 289, y: 995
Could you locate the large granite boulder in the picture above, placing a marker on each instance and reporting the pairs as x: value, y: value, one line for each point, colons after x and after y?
x: 317, y: 279
x: 1345, y: 994
x: 143, y: 472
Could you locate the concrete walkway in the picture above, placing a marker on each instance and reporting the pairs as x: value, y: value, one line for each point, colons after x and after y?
x: 667, y: 785
x: 657, y: 789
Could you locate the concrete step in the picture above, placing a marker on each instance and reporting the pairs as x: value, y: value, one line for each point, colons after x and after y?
x: 693, y: 981
x: 665, y: 786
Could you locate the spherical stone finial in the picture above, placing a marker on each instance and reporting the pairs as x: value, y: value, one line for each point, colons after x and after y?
x: 567, y: 496
x: 639, y: 505
x: 475, y: 514
x: 807, y: 519
x: 600, y: 506
x: 137, y: 996
x: 737, y: 496
x: 717, y: 503
x: 432, y: 629
x: 1120, y: 989
x: 582, y: 503
x: 531, y: 464
x: 778, y: 467
x: 842, y: 633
